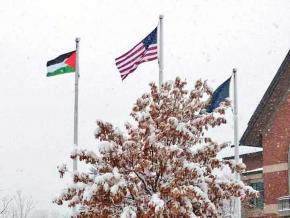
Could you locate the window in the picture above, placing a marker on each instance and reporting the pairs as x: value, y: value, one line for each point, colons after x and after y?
x: 258, y: 202
x: 284, y: 203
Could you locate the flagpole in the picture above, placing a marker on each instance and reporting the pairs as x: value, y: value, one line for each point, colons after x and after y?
x: 160, y: 48
x: 75, y: 166
x: 236, y: 143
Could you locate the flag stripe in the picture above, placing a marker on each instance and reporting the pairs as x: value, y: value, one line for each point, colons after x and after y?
x: 128, y: 53
x: 149, y: 59
x: 133, y: 67
x: 59, y: 59
x: 125, y: 75
x: 144, y: 51
x: 54, y: 67
x: 150, y: 51
x: 62, y: 70
x: 118, y: 58
x: 136, y: 62
x: 131, y: 59
x: 121, y: 69
x: 140, y: 48
x: 142, y: 59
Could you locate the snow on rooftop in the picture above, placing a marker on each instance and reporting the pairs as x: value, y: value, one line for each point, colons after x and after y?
x: 243, y: 149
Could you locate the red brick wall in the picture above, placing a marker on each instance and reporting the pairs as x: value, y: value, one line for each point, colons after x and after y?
x: 275, y: 186
x: 276, y: 143
x: 276, y: 140
x: 253, y: 161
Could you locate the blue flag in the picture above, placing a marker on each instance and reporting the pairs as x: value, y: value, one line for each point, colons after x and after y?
x: 219, y: 95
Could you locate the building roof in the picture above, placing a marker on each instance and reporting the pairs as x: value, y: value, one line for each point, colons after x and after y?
x: 261, y: 118
x: 229, y: 152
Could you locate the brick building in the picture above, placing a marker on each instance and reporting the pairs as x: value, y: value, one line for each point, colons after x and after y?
x: 269, y: 129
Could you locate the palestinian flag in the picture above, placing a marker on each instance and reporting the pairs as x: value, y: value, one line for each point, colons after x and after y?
x: 65, y: 63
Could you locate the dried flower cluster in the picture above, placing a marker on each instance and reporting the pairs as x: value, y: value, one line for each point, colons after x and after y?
x: 163, y: 166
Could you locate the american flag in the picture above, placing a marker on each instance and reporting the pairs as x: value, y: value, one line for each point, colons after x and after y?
x: 144, y: 51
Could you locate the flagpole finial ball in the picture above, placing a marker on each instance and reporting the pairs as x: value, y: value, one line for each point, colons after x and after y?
x: 78, y: 39
x: 234, y: 70
x: 160, y: 16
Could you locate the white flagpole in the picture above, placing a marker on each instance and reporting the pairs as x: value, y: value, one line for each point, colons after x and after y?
x: 160, y: 49
x: 75, y: 165
x: 236, y: 143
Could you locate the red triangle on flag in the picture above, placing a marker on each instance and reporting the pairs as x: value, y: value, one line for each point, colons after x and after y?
x: 71, y: 61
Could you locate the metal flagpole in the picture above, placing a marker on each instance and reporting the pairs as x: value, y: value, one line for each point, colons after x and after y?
x: 160, y: 48
x: 75, y: 165
x: 236, y: 143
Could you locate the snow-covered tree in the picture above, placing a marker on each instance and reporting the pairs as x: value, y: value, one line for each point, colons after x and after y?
x: 164, y: 165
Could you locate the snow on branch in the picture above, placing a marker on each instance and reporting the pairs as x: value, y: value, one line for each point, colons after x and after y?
x: 163, y: 165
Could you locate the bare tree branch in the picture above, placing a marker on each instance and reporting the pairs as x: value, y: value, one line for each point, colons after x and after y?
x: 5, y: 205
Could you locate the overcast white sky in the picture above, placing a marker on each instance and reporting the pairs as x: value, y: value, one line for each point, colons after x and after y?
x: 202, y: 39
